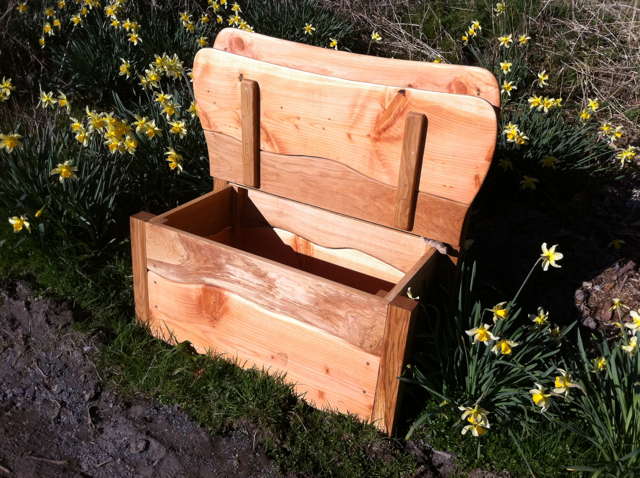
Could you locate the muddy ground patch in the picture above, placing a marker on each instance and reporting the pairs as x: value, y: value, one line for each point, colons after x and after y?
x: 60, y: 418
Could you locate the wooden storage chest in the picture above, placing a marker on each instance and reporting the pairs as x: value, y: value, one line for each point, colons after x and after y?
x: 326, y: 191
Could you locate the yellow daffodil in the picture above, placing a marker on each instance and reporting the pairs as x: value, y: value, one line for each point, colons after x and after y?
x: 130, y: 144
x: 507, y: 87
x: 585, y: 115
x: 500, y: 8
x: 550, y: 256
x: 535, y: 102
x: 617, y: 133
x: 141, y: 123
x: 599, y: 364
x: 554, y: 331
x: 19, y: 223
x: 505, y: 40
x: 500, y: 311
x: 505, y: 66
x: 134, y: 38
x: 115, y: 23
x: 151, y: 131
x: 202, y: 42
x: 540, y: 397
x: 616, y: 243
x: 47, y: 29
x: 333, y: 43
x: 47, y: 99
x: 84, y: 11
x: 82, y: 137
x: 170, y: 109
x: 548, y: 103
x: 482, y: 334
x: 236, y: 8
x: 549, y: 162
x: 193, y: 109
x: 632, y: 347
x: 593, y: 105
x: 523, y: 39
x: 65, y: 171
x: 543, y: 79
x: 76, y: 20
x: 606, y: 128
x: 42, y: 42
x: 162, y: 98
x: 563, y: 383
x: 56, y: 23
x: 437, y: 60
x: 63, y: 102
x: 465, y: 38
x: 309, y: 29
x: 529, y: 183
x: 178, y: 127
x: 219, y: 19
x: 49, y: 12
x: 541, y: 318
x: 617, y: 304
x: 76, y: 125
x: 61, y: 4
x: 10, y: 141
x: 626, y: 155
x: 475, y: 24
x: 205, y: 19
x: 6, y: 87
x: 174, y: 159
x: 634, y: 324
x: 375, y: 36
x: 474, y: 415
x: 125, y: 68
x: 22, y: 7
x: 504, y: 347
x: 476, y: 430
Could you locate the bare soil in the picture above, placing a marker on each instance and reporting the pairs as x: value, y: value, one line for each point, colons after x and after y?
x: 58, y: 417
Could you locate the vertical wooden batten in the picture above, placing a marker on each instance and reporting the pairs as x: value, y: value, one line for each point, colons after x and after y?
x: 137, y: 224
x: 415, y: 133
x: 250, y: 110
x: 400, y: 317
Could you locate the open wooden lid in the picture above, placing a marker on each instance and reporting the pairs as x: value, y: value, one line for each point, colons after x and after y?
x: 351, y: 147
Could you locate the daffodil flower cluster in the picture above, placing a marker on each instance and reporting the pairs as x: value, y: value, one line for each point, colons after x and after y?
x: 471, y: 31
x: 514, y: 135
x: 476, y: 419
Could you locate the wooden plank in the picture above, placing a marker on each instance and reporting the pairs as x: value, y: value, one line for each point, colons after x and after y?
x: 250, y: 118
x: 400, y: 317
x: 329, y: 371
x: 137, y: 224
x: 204, y: 215
x: 422, y: 75
x: 219, y: 184
x: 396, y: 248
x: 420, y: 275
x: 356, y: 124
x: 353, y: 315
x: 315, y: 181
x: 415, y: 133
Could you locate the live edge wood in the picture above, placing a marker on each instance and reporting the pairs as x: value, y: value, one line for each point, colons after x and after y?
x: 359, y: 125
x: 422, y: 75
x: 329, y: 371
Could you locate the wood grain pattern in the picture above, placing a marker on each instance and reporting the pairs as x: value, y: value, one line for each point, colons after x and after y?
x: 329, y: 371
x: 445, y: 78
x: 396, y: 248
x: 415, y: 133
x: 204, y: 215
x: 137, y: 225
x: 398, y: 327
x: 315, y: 180
x: 356, y: 124
x: 250, y: 111
x: 350, y: 314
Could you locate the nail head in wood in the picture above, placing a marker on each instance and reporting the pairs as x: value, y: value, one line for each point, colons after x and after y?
x: 415, y: 133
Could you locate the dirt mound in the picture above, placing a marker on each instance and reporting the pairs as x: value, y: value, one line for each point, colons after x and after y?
x: 58, y: 418
x: 595, y: 298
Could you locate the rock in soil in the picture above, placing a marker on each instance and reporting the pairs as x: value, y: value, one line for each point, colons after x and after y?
x: 58, y: 419
x: 595, y: 297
